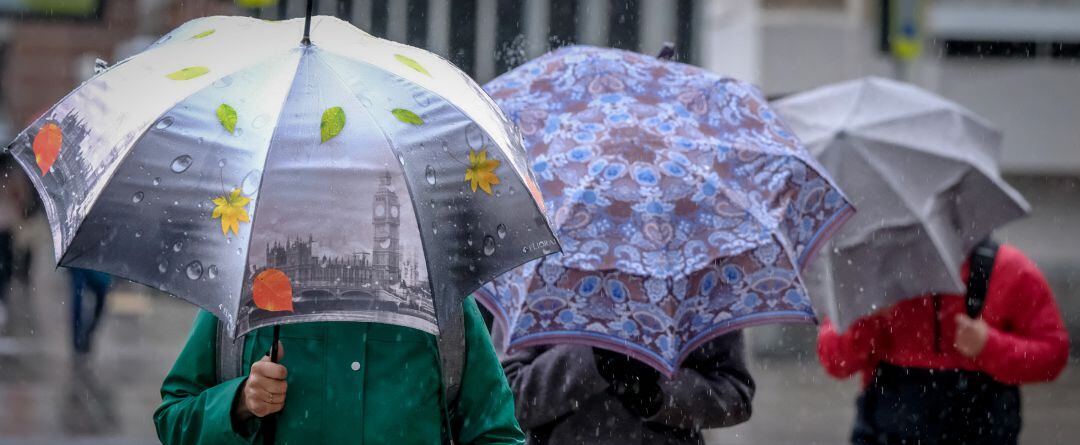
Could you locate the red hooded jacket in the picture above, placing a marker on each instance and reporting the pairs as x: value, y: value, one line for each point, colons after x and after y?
x: 1027, y: 342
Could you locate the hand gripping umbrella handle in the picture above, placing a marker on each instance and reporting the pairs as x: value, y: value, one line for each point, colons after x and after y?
x: 269, y: 424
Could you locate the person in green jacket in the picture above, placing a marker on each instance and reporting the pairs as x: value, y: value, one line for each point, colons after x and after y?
x: 337, y: 382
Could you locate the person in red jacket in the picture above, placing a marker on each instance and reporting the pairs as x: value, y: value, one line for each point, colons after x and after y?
x: 934, y: 375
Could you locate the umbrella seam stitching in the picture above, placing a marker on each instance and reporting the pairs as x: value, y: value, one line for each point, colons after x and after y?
x: 258, y: 192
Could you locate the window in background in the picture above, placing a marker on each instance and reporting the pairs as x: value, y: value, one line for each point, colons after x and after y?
x: 563, y: 23
x: 684, y: 31
x: 417, y: 25
x: 463, y: 34
x: 380, y: 14
x: 623, y: 24
x: 509, y: 35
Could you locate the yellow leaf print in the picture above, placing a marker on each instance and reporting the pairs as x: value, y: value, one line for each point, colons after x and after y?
x: 481, y: 171
x: 230, y: 209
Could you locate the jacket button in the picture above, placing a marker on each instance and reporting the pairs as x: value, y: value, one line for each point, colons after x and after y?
x: 355, y: 366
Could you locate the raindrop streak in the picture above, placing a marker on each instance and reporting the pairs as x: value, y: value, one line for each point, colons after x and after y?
x: 164, y: 123
x: 250, y: 183
x: 474, y: 137
x: 137, y: 197
x: 421, y: 98
x: 181, y: 164
x: 194, y: 270
x: 489, y: 245
x: 429, y: 173
x: 211, y: 272
x: 223, y: 82
x: 501, y: 230
x: 260, y: 121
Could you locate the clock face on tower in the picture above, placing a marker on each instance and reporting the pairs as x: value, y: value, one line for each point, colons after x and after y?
x: 380, y: 210
x: 394, y: 211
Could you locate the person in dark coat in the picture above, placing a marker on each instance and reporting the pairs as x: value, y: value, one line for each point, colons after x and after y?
x: 83, y: 328
x: 935, y: 375
x: 571, y: 394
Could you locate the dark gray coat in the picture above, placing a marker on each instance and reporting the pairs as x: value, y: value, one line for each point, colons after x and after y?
x: 561, y: 399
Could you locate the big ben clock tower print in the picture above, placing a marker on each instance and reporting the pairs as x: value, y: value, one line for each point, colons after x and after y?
x: 386, y: 258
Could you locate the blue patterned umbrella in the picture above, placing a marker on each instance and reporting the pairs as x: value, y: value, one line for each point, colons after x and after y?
x: 684, y: 206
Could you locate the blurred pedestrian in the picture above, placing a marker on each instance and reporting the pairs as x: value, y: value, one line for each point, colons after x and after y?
x: 336, y: 382
x: 945, y: 369
x: 11, y: 213
x: 83, y: 327
x: 571, y: 394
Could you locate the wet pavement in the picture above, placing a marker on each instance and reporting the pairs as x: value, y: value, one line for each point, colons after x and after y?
x: 47, y: 396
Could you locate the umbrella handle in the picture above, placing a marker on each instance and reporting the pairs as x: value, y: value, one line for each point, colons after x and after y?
x: 307, y: 32
x: 269, y: 424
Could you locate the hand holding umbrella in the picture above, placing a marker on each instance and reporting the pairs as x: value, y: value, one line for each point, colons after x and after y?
x: 971, y: 335
x: 264, y: 390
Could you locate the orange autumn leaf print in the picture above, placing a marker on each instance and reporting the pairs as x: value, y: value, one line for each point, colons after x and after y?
x: 481, y: 171
x: 47, y: 145
x: 272, y: 291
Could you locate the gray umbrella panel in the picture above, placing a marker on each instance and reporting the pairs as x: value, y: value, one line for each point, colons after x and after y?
x: 372, y: 224
x: 923, y: 173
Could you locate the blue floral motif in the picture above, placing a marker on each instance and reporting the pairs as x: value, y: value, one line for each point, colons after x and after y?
x: 731, y: 274
x: 646, y: 175
x: 795, y: 298
x: 617, y: 290
x: 656, y: 289
x: 681, y: 201
x: 566, y: 316
x: 588, y: 285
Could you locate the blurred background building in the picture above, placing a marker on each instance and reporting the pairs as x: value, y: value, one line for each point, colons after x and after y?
x: 1016, y: 62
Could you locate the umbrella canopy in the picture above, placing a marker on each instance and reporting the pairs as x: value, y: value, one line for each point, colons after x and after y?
x: 273, y: 181
x: 922, y: 171
x: 685, y: 207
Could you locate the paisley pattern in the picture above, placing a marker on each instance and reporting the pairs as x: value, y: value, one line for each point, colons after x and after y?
x: 683, y: 205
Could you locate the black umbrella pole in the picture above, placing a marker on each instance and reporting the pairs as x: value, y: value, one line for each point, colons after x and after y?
x: 307, y: 23
x: 269, y: 425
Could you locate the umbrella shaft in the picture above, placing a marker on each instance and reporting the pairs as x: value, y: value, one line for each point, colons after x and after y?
x: 307, y: 23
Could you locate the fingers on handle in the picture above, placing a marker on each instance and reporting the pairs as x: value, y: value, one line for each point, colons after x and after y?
x: 264, y: 368
x: 280, y: 352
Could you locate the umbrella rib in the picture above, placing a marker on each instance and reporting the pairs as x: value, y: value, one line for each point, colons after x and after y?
x: 872, y: 162
x: 258, y: 191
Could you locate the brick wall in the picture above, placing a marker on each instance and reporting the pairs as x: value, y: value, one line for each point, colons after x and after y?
x: 41, y: 55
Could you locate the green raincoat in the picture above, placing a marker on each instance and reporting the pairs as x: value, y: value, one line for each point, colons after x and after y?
x: 356, y: 383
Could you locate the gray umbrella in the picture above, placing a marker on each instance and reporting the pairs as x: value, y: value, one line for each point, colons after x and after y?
x: 923, y: 173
